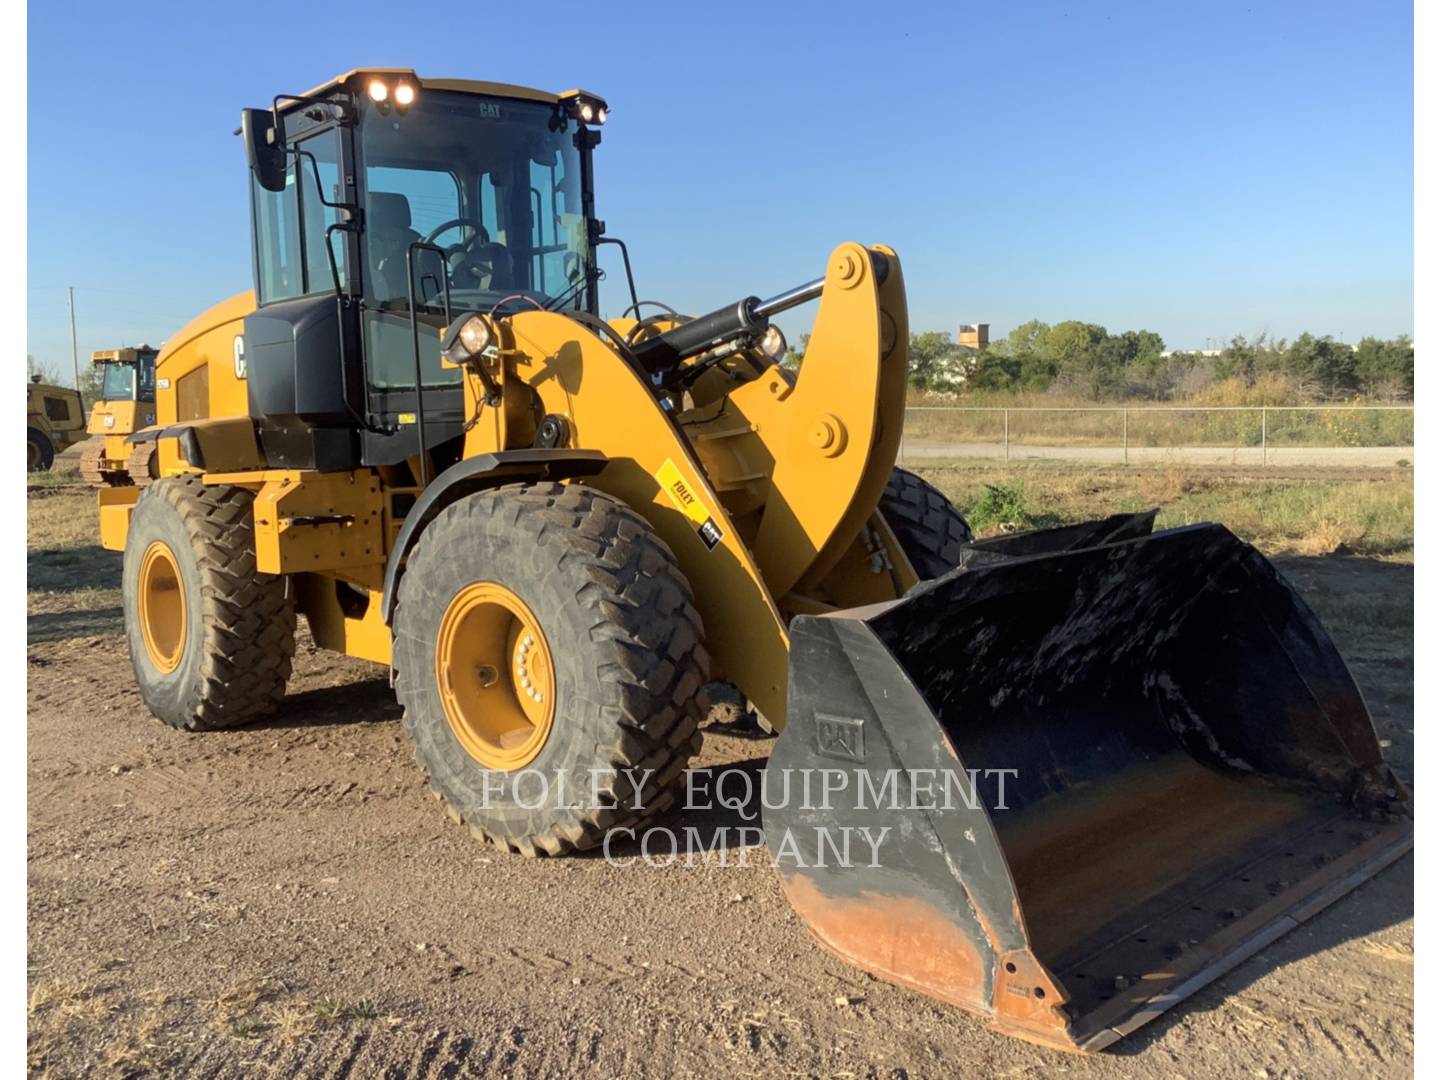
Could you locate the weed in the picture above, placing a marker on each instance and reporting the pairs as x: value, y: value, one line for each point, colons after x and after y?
x: 329, y: 1008
x: 292, y: 1020
x: 234, y: 1011
x: 364, y: 1009
x: 1000, y: 507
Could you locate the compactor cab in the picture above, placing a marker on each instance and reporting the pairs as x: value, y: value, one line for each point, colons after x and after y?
x: 125, y: 405
x: 418, y: 432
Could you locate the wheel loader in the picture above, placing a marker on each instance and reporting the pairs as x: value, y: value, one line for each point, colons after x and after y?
x: 125, y: 405
x: 418, y: 433
x: 55, y: 421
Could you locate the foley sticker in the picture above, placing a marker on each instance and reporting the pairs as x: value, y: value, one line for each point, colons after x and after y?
x: 689, y: 504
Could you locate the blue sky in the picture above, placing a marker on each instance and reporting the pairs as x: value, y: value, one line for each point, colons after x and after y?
x: 1197, y: 169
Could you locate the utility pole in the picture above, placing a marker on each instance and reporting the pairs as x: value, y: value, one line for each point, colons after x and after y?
x: 74, y: 349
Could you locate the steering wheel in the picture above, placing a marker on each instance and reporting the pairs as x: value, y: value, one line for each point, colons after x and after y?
x: 454, y: 223
x: 476, y: 258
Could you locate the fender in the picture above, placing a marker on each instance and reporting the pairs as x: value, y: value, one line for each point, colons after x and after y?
x: 216, y: 444
x: 475, y: 474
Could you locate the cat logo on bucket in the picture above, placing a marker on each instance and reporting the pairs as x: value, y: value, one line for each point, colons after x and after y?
x: 689, y: 504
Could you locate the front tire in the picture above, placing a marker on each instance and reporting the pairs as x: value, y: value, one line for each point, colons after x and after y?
x: 211, y: 639
x: 929, y: 529
x: 544, y: 636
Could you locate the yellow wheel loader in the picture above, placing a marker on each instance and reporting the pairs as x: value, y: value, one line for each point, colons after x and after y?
x: 55, y: 421
x: 1100, y: 764
x: 125, y: 405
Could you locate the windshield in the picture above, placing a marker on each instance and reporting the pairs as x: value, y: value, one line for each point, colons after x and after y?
x: 495, y: 182
x: 118, y: 382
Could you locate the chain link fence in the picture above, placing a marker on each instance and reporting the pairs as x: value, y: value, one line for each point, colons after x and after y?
x: 1377, y: 435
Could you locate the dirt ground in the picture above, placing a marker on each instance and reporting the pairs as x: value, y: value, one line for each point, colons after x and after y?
x: 287, y: 899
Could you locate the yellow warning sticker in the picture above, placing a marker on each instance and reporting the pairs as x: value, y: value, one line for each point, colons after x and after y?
x: 688, y: 502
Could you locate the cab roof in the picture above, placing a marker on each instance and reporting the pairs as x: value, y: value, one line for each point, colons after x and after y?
x: 464, y: 86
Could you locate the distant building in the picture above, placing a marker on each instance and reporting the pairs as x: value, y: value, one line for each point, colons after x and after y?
x: 974, y: 337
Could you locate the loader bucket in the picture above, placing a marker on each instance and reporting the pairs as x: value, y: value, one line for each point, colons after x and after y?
x: 1191, y: 773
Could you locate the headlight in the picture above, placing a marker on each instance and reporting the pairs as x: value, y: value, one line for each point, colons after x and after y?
x: 109, y: 421
x: 404, y: 94
x: 466, y: 338
x: 378, y: 90
x: 772, y: 344
x: 587, y: 111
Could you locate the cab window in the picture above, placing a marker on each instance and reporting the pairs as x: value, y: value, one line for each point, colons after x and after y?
x: 319, y: 186
x: 277, y: 240
x: 291, y: 225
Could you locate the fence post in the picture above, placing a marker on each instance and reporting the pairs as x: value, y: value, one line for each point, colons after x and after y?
x: 1264, y: 436
x: 900, y: 458
x: 1125, y: 436
x: 1007, y: 436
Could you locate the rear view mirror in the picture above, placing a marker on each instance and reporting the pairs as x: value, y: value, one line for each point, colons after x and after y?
x: 263, y: 150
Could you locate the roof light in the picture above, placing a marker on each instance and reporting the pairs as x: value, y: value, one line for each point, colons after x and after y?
x: 601, y: 114
x: 404, y: 94
x: 587, y: 111
x: 378, y: 90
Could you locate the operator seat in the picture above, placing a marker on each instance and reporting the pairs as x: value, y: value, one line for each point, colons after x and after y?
x: 388, y: 225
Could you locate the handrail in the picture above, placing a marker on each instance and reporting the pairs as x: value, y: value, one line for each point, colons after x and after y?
x: 415, y: 342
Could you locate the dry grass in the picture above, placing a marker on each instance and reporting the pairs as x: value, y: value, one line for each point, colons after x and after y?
x: 133, y: 1032
x: 58, y: 1006
x: 237, y: 1011
x: 292, y: 1020
x: 1167, y: 484
x: 66, y: 517
x: 57, y: 993
x: 140, y: 1051
x: 1370, y: 512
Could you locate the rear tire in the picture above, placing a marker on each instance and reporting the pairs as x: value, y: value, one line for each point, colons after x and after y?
x: 39, y: 450
x: 623, y: 663
x: 930, y: 530
x: 211, y: 639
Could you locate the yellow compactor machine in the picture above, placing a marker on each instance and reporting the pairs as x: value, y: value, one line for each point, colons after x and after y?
x: 55, y: 421
x: 125, y: 405
x: 418, y: 433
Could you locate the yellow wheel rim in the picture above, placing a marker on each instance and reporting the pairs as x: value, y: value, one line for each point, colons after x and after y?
x: 162, y: 607
x: 496, y: 676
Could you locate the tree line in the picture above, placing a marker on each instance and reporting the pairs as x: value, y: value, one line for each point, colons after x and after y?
x: 1084, y: 360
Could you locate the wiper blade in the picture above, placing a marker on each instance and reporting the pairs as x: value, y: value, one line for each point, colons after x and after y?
x: 551, y: 305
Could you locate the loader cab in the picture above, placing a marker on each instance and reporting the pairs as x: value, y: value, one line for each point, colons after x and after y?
x: 382, y: 204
